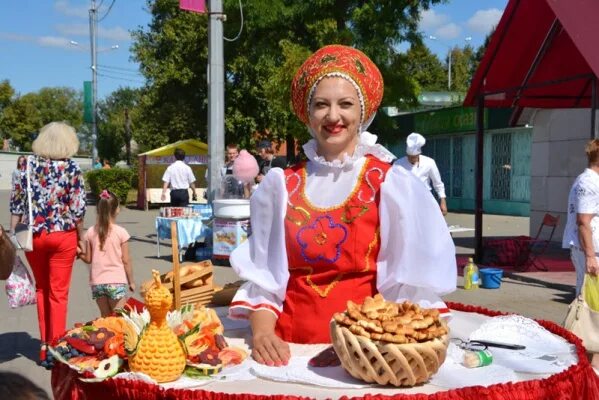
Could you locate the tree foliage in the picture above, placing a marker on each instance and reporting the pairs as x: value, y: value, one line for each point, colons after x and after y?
x: 277, y: 36
x: 462, y: 68
x: 22, y: 118
x: 6, y: 94
x: 111, y: 121
x: 425, y: 68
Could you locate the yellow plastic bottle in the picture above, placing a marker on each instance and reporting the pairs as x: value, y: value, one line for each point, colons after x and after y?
x: 471, y: 276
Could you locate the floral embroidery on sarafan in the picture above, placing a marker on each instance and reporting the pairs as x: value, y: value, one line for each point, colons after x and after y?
x: 352, y: 212
x: 371, y: 246
x: 322, y: 240
x: 321, y: 292
x: 298, y: 215
x: 370, y: 185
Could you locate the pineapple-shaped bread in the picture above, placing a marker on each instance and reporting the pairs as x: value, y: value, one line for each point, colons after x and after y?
x: 159, y: 353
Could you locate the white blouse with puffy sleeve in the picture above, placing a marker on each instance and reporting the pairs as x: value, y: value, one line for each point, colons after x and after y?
x: 416, y: 260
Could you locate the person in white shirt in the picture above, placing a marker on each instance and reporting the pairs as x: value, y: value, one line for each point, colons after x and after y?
x: 423, y: 167
x: 180, y: 178
x: 581, y: 234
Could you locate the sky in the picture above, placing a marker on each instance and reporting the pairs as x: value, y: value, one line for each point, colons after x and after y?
x: 46, y: 42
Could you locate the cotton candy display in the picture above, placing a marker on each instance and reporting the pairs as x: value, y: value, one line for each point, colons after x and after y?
x: 245, y: 167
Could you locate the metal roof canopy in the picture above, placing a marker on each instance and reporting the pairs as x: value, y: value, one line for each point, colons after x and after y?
x: 541, y: 55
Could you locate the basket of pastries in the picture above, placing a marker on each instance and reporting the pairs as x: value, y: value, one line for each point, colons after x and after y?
x: 399, y: 344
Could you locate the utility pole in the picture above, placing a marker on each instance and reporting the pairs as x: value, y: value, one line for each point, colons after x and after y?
x: 93, y: 29
x: 216, y: 103
x: 449, y: 70
x: 127, y: 136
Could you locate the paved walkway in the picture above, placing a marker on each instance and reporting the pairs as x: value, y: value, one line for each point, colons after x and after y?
x: 531, y: 294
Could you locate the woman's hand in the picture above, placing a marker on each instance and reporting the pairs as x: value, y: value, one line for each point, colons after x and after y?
x: 270, y: 349
x: 267, y: 347
x: 592, y: 266
x: 132, y: 287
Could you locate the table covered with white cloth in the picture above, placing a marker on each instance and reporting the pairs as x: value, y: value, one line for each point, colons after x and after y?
x: 554, y: 366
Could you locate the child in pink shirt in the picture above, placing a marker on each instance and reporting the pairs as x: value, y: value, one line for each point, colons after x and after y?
x: 107, y: 250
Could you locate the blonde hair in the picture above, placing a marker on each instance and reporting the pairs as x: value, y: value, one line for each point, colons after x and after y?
x: 592, y: 151
x: 56, y: 140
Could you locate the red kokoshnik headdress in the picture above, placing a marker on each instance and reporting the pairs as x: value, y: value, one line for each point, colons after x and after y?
x: 343, y: 61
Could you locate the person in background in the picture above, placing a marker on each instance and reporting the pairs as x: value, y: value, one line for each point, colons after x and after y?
x: 423, y: 167
x: 19, y: 171
x: 180, y: 178
x: 58, y: 208
x: 267, y: 159
x: 21, y: 165
x: 341, y: 226
x: 231, y: 153
x: 107, y: 250
x: 97, y: 164
x: 581, y: 234
x: 106, y: 164
x: 231, y: 188
x: 15, y: 386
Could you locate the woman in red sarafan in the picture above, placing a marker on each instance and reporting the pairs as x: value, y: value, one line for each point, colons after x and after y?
x: 341, y: 226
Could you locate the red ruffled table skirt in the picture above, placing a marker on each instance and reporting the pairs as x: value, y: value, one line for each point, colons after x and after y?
x: 578, y: 382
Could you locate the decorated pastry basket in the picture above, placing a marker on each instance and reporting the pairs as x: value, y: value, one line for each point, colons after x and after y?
x: 389, y: 343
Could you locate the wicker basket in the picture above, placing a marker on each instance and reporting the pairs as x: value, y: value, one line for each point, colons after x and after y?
x: 388, y: 363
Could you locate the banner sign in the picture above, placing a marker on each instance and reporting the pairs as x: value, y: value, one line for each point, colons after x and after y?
x: 200, y: 159
x: 448, y: 120
x: 87, y: 102
x: 198, y: 6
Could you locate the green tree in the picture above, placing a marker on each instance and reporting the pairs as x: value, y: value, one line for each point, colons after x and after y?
x: 461, y: 68
x: 26, y: 114
x: 111, y: 121
x: 425, y: 68
x: 7, y: 94
x: 277, y: 35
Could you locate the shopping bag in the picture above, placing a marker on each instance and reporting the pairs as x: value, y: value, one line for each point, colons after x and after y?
x: 24, y: 236
x: 7, y: 255
x: 583, y: 321
x: 591, y: 291
x: 20, y: 288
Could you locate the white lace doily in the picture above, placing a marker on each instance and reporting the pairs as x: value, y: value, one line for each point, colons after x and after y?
x: 516, y: 329
x: 545, y: 353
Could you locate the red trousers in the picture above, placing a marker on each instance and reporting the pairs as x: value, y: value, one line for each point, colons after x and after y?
x: 52, y: 261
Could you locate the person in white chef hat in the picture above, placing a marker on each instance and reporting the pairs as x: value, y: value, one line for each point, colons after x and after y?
x: 423, y: 167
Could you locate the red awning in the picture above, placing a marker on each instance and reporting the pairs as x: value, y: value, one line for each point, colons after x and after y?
x: 543, y: 54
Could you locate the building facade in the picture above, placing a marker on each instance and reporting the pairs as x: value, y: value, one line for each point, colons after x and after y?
x: 451, y: 141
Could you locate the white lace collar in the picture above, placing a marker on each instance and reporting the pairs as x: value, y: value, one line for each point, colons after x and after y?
x: 366, y: 145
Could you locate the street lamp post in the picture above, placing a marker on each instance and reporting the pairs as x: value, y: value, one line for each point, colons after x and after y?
x: 431, y: 37
x: 93, y: 34
x: 93, y: 21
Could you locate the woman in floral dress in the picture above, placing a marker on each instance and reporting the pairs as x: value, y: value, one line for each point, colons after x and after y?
x: 57, y: 208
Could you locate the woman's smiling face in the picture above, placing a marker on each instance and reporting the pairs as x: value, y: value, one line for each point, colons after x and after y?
x: 335, y: 117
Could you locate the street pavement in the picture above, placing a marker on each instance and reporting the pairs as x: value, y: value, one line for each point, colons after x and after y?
x: 540, y: 295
